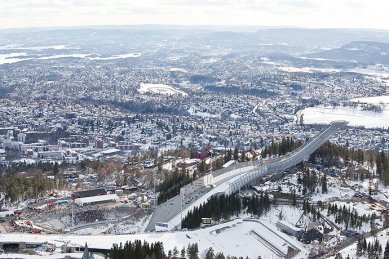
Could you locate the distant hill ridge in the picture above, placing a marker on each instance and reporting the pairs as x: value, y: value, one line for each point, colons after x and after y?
x: 360, y: 51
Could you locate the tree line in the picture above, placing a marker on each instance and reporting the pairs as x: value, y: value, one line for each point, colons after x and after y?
x: 137, y: 249
x: 17, y: 187
x: 23, y: 166
x: 286, y: 145
x: 329, y: 155
x: 145, y: 250
x: 349, y: 217
x: 311, y: 209
x: 172, y: 184
x: 224, y: 207
x: 217, y: 207
x: 372, y: 249
x: 310, y: 180
x: 256, y: 205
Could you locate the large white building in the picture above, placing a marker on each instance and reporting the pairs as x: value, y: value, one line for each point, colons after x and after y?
x: 97, y: 199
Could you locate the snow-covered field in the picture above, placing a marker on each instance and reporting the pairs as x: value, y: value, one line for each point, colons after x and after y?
x: 384, y: 99
x: 128, y: 55
x: 177, y: 69
x: 355, y: 117
x: 11, y: 57
x: 159, y: 89
x: 231, y: 238
x: 193, y: 111
x: 307, y: 69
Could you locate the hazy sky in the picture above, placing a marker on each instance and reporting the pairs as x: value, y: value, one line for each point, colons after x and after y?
x: 306, y: 13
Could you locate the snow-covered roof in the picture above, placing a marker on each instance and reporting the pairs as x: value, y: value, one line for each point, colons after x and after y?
x: 94, y: 199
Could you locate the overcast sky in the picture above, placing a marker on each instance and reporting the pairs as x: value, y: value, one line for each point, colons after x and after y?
x: 305, y: 13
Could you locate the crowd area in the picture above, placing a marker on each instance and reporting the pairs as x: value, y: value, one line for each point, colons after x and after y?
x: 89, y: 216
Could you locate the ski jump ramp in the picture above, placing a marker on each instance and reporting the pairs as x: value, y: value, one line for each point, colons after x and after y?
x: 229, y: 180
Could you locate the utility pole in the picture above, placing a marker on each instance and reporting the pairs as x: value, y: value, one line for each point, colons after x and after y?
x: 211, y: 161
x: 73, y: 213
x: 155, y: 179
x: 155, y: 195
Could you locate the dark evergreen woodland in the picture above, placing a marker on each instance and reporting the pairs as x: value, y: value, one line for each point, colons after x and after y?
x: 138, y: 250
x: 224, y: 207
x: 170, y: 187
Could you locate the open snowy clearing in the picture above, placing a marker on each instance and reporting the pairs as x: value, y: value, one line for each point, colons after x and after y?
x: 159, y: 89
x: 355, y: 117
x: 373, y: 100
x: 231, y: 238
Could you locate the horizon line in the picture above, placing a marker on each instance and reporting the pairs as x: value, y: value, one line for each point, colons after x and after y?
x: 209, y: 26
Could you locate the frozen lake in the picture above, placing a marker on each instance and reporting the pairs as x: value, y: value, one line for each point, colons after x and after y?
x: 355, y: 116
x: 19, y: 56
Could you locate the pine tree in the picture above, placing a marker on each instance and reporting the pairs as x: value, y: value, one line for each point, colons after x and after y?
x: 183, y: 252
x: 210, y: 254
x: 220, y: 256
x: 360, y: 246
x: 193, y: 251
x: 56, y: 168
x: 369, y: 252
x: 236, y: 154
x: 386, y: 220
x: 324, y: 184
x: 294, y: 201
x: 364, y: 245
x: 175, y: 252
x: 386, y: 252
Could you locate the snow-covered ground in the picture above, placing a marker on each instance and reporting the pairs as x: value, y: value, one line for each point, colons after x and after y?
x: 177, y: 69
x: 11, y: 57
x: 126, y: 227
x: 159, y: 89
x: 362, y: 208
x: 352, y: 249
x: 355, y: 116
x: 286, y: 213
x: 195, y: 112
x: 289, y: 183
x: 307, y: 69
x: 128, y: 55
x: 384, y: 99
x: 231, y: 238
x: 48, y: 256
